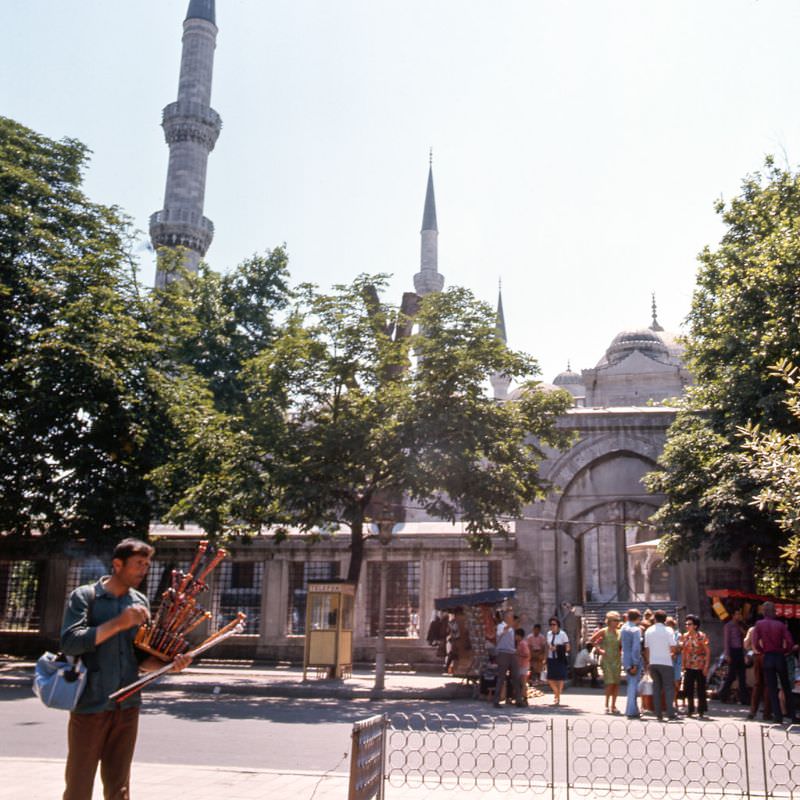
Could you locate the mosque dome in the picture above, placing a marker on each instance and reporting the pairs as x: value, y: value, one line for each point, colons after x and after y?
x: 568, y: 378
x: 645, y: 340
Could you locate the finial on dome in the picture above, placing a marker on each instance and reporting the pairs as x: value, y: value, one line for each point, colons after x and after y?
x: 654, y: 326
x: 569, y: 367
x: 430, y: 157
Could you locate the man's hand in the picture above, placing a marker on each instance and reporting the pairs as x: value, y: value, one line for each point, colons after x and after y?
x: 133, y: 616
x: 633, y: 670
x: 181, y: 662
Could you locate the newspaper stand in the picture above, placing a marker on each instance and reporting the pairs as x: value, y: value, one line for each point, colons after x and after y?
x: 478, y: 609
x: 329, y: 629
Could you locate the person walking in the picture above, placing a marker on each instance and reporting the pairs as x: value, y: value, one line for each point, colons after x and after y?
x: 506, y: 657
x: 659, y: 650
x: 772, y: 638
x: 100, y: 624
x: 607, y: 643
x: 759, y: 696
x: 632, y: 662
x: 677, y: 661
x: 696, y: 662
x: 523, y: 664
x: 557, y: 659
x: 538, y: 647
x: 733, y: 638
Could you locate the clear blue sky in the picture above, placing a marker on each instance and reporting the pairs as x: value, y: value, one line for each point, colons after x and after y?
x: 578, y: 146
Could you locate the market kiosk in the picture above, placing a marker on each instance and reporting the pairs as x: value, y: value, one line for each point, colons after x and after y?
x: 329, y: 629
x: 474, y: 616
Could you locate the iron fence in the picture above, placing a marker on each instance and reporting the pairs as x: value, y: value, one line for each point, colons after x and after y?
x: 545, y: 756
x: 367, y: 759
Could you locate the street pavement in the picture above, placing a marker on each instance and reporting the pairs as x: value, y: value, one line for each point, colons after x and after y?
x: 42, y: 778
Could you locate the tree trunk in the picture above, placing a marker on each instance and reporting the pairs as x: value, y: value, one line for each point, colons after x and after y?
x: 356, y: 547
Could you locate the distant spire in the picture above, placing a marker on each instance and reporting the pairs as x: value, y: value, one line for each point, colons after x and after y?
x: 654, y: 326
x: 429, y: 214
x: 191, y: 128
x: 202, y: 9
x: 499, y: 380
x: 501, y: 318
x: 569, y: 368
x: 428, y: 279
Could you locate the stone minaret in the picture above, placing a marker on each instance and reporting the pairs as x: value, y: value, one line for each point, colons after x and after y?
x: 500, y: 381
x: 428, y: 279
x: 191, y: 128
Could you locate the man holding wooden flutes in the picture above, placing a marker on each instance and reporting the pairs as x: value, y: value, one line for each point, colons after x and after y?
x: 100, y: 624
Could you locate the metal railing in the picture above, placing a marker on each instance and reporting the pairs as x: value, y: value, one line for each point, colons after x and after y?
x: 537, y: 756
x: 367, y: 759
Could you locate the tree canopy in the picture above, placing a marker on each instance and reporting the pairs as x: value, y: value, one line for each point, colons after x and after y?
x: 773, y: 458
x: 73, y: 365
x: 229, y: 400
x: 744, y: 318
x: 366, y: 427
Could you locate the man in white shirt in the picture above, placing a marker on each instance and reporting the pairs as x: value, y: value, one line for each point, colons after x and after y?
x: 506, y: 657
x: 659, y: 649
x: 585, y: 664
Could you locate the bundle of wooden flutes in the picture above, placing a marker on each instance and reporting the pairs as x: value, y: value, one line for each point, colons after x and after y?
x: 179, y: 613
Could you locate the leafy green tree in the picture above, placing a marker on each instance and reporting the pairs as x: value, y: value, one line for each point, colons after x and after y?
x: 75, y: 393
x: 208, y: 328
x: 364, y: 426
x: 773, y: 458
x: 744, y: 317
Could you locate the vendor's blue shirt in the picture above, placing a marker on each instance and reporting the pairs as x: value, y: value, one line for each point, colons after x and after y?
x: 111, y: 664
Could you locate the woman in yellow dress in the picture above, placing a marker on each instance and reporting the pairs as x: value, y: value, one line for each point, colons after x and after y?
x: 607, y: 644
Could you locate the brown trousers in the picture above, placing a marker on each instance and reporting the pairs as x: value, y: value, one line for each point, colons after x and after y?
x: 107, y: 738
x: 760, y: 694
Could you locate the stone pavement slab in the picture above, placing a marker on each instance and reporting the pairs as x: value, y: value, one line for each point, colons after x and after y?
x: 43, y: 779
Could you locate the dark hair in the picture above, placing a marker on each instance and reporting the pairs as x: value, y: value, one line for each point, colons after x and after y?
x: 132, y: 547
x: 520, y: 632
x: 556, y: 620
x: 633, y: 614
x: 537, y: 625
x: 694, y: 619
x: 660, y: 616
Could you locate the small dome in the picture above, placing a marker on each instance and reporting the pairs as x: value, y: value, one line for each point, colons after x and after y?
x: 645, y: 340
x: 568, y: 378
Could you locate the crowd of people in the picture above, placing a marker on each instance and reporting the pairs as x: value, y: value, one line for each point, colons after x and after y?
x: 666, y: 670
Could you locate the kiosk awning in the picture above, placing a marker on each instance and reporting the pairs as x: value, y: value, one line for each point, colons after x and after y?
x: 490, y: 597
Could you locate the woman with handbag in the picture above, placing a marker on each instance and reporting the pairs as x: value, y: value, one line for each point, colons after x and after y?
x: 557, y: 659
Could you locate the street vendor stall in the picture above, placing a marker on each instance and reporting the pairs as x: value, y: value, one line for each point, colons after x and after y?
x: 475, y: 625
x: 725, y: 601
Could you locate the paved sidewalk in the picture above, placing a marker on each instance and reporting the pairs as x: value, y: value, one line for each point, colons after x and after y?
x: 43, y: 779
x: 247, y: 678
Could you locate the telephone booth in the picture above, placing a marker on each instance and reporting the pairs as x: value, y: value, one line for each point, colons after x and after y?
x: 329, y: 629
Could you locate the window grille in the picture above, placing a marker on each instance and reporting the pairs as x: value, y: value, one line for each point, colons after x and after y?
x: 237, y: 587
x: 467, y: 577
x: 20, y: 593
x: 90, y: 570
x: 402, y: 598
x: 85, y: 570
x: 300, y: 573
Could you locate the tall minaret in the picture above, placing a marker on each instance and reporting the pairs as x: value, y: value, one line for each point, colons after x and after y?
x: 191, y: 128
x: 428, y: 279
x: 500, y: 381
